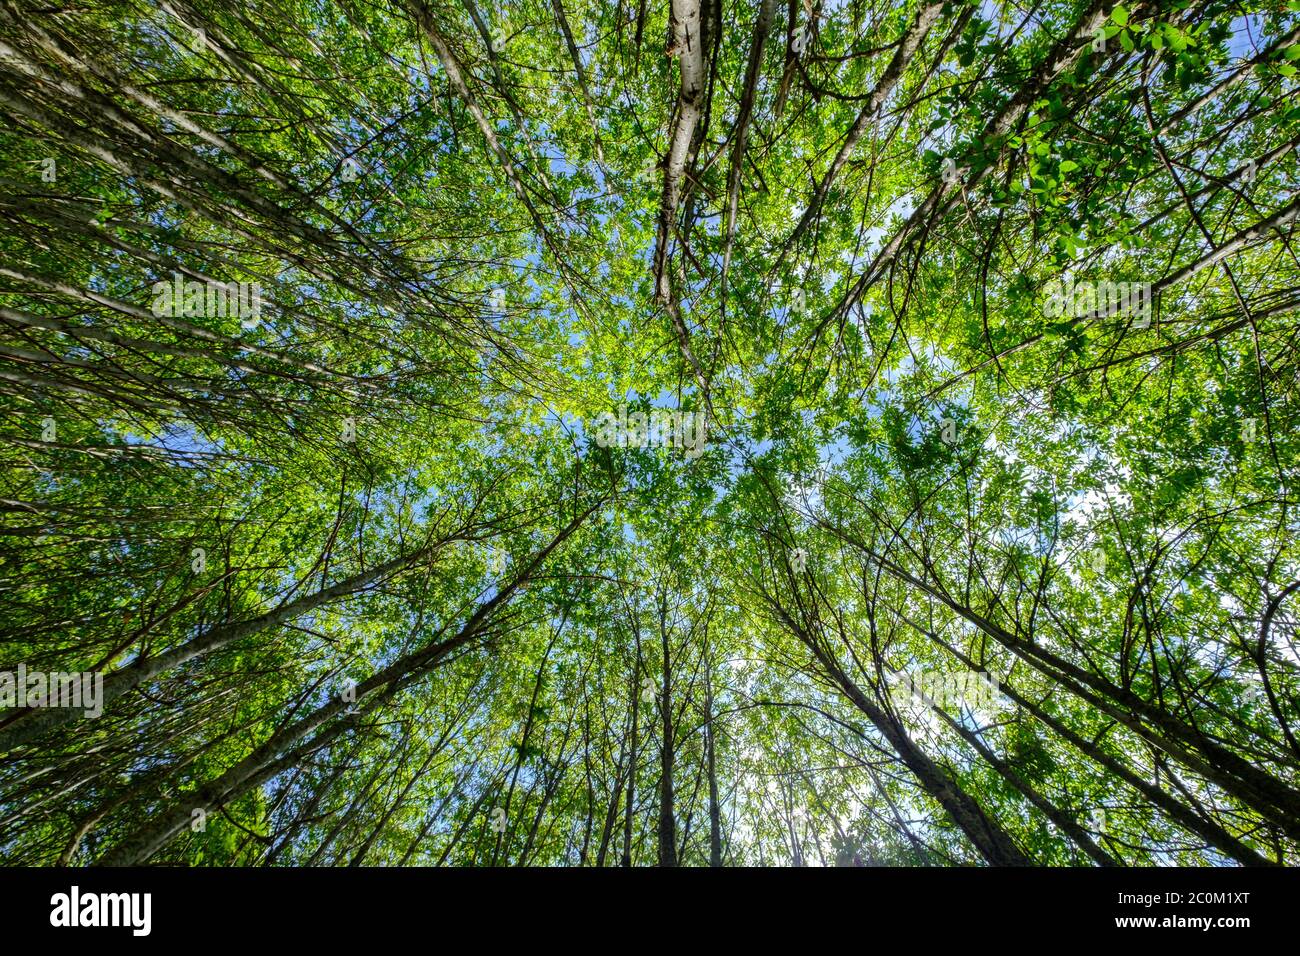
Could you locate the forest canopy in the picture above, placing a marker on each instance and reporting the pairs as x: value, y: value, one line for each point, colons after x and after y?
x: 599, y: 432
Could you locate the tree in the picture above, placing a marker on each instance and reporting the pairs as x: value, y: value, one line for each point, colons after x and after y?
x: 574, y: 433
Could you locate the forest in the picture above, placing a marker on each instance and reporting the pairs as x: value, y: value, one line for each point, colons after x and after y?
x: 598, y: 433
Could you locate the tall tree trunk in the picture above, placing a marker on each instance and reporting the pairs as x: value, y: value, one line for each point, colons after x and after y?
x: 1256, y: 788
x: 715, y: 809
x: 285, y: 748
x: 21, y: 726
x: 993, y: 842
x: 667, y: 822
x: 631, y: 767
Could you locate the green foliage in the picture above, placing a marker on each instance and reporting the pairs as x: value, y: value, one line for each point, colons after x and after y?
x: 922, y: 457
